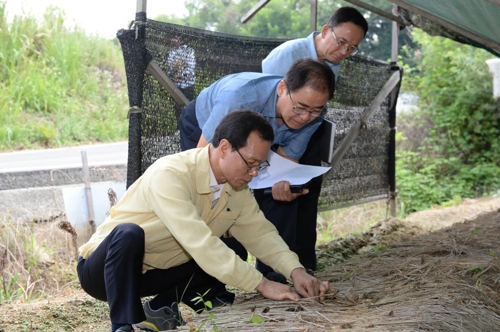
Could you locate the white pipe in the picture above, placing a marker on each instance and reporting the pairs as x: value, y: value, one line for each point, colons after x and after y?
x: 494, y: 66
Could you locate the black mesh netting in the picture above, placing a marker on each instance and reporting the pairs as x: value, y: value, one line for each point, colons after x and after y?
x: 366, y: 171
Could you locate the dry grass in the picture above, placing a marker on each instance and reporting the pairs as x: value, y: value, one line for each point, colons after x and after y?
x: 38, y: 261
x: 443, y: 281
x: 446, y: 280
x: 353, y: 220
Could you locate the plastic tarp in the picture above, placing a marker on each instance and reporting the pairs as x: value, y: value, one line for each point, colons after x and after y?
x: 474, y: 22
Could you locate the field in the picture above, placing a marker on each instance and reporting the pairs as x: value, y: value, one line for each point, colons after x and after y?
x: 434, y: 270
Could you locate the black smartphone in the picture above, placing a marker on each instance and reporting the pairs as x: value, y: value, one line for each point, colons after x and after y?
x: 296, y: 188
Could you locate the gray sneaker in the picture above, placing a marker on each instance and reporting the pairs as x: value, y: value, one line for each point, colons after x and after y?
x: 125, y: 328
x: 166, y: 318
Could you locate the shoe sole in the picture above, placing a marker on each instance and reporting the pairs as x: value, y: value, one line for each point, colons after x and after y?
x: 147, y: 326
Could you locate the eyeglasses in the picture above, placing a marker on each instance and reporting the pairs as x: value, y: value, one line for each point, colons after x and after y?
x: 265, y: 164
x: 299, y: 110
x: 350, y: 49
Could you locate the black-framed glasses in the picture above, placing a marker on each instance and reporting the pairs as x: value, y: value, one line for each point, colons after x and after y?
x: 299, y: 110
x: 265, y: 164
x: 350, y: 49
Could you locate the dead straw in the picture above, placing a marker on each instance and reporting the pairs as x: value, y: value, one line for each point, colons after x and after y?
x: 443, y: 281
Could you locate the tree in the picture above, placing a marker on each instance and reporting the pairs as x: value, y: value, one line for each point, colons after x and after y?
x: 272, y: 21
x: 377, y: 43
x: 457, y: 153
x: 290, y: 19
x: 215, y: 15
x: 280, y: 19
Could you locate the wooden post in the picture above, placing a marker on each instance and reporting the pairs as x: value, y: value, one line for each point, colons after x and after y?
x: 88, y: 191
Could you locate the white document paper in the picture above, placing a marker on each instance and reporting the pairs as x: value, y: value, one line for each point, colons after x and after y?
x: 282, y: 169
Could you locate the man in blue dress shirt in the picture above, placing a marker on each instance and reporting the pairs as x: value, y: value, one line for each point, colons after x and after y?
x: 337, y: 40
x: 294, y: 105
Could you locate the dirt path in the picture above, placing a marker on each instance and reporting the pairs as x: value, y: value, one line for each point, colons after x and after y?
x: 436, y: 270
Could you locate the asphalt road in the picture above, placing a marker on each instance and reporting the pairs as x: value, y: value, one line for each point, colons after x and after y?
x: 97, y: 155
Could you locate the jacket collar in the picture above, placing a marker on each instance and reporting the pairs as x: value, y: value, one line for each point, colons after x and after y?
x: 203, y: 170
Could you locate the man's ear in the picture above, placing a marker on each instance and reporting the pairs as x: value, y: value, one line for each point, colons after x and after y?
x: 224, y: 147
x: 281, y: 88
x: 324, y: 30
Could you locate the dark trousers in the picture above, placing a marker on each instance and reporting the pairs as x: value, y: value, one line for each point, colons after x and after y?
x: 189, y: 93
x: 189, y: 130
x: 307, y: 211
x: 113, y: 273
x: 295, y: 221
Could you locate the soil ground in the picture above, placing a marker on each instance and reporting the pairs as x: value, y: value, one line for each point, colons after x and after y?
x: 436, y: 270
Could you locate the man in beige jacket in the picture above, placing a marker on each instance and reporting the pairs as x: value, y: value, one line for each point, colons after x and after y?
x: 166, y: 235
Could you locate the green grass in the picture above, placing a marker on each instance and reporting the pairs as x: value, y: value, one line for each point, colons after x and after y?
x: 353, y: 220
x: 58, y: 86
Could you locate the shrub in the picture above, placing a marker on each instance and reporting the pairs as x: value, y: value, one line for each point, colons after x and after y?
x: 449, y: 147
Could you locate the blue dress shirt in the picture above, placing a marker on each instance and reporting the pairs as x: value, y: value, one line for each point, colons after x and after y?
x: 255, y: 91
x: 282, y: 57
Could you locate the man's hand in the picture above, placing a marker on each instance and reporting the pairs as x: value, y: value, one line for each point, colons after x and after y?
x: 307, y: 285
x: 276, y: 291
x: 281, y: 192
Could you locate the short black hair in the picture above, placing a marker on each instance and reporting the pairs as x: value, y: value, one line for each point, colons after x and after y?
x: 310, y: 73
x: 237, y: 125
x: 348, y: 14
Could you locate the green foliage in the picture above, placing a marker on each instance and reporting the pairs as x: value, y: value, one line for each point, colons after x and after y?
x: 257, y: 319
x: 199, y: 299
x: 457, y: 154
x: 288, y: 19
x: 378, y: 249
x: 207, y: 306
x: 280, y: 19
x: 58, y: 86
x: 30, y: 250
x: 353, y: 220
x: 453, y: 202
x: 10, y: 291
x: 422, y: 186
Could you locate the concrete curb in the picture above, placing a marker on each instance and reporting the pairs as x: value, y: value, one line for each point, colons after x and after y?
x: 60, y: 177
x: 39, y: 196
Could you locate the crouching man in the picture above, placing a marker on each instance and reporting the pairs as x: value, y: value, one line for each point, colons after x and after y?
x: 165, y: 237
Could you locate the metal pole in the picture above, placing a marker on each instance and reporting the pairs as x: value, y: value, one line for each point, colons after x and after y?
x: 313, y: 18
x: 141, y: 6
x: 395, y: 35
x: 394, y: 59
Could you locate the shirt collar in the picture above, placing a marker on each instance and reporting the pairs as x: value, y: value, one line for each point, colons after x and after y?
x: 214, y: 185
